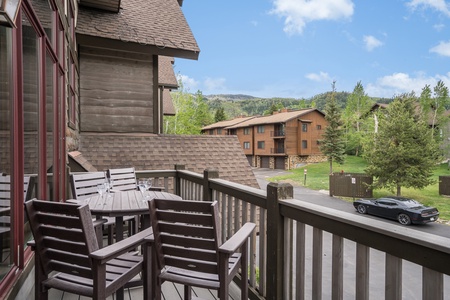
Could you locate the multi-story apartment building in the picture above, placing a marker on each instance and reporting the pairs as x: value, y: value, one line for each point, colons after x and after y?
x: 282, y: 140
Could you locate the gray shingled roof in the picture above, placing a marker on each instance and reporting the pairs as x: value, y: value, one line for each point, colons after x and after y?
x: 158, y: 23
x: 160, y: 152
x: 227, y: 123
x: 281, y: 117
x: 168, y: 108
x: 166, y: 73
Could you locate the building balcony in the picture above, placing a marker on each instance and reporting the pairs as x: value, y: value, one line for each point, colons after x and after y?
x: 277, y: 134
x: 277, y: 150
x: 308, y: 251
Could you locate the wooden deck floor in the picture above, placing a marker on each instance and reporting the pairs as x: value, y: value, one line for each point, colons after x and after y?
x: 170, y: 292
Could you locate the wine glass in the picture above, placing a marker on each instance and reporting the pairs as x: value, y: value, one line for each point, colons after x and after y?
x: 101, y: 189
x: 142, y: 185
x: 110, y: 185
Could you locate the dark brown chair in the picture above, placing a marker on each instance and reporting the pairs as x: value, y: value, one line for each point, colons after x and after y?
x: 68, y: 257
x: 5, y: 204
x: 189, y: 251
x: 84, y: 185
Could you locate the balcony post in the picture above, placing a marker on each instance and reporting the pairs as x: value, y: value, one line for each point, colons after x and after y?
x: 177, y: 181
x: 207, y: 191
x: 275, y: 235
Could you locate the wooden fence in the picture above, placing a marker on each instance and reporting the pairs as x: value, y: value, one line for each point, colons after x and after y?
x: 444, y: 185
x: 354, y: 185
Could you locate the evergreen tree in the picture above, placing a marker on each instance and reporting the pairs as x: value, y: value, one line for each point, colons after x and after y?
x: 332, y: 143
x: 401, y: 153
x: 220, y: 115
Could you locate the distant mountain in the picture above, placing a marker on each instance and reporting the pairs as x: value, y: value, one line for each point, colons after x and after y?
x: 238, y: 105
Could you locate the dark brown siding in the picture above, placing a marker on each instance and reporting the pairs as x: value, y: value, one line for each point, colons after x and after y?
x: 115, y: 91
x: 291, y: 140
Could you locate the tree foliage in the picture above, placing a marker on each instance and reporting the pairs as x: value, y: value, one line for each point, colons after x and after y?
x: 354, y: 117
x: 433, y: 105
x: 192, y: 113
x: 402, y: 153
x: 220, y: 115
x: 332, y: 143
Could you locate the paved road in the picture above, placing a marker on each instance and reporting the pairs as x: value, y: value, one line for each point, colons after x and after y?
x: 322, y: 198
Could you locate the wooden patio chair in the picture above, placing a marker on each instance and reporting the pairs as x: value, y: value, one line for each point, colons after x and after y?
x: 68, y: 258
x: 84, y: 185
x: 124, y: 179
x: 188, y: 248
x: 5, y: 204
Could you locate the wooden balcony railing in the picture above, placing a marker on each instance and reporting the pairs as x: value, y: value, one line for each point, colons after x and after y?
x: 277, y: 133
x: 302, y: 250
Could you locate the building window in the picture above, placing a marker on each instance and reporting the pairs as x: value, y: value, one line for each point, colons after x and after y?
x: 219, y: 130
x: 232, y: 132
x: 247, y: 131
x: 319, y: 127
x: 260, y: 129
x: 304, y: 144
x: 305, y: 127
x: 246, y: 145
x: 211, y: 131
x: 261, y: 145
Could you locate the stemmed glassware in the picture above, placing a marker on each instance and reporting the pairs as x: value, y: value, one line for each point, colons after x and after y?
x: 110, y: 183
x: 102, y: 189
x: 144, y: 185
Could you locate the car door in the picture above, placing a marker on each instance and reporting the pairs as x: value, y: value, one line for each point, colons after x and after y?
x: 388, y: 209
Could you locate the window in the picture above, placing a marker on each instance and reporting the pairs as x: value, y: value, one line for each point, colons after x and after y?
x: 260, y: 129
x: 319, y: 127
x: 219, y: 130
x: 247, y: 131
x: 211, y: 131
x: 304, y: 144
x: 246, y: 145
x: 305, y: 127
x: 232, y: 132
x: 261, y: 145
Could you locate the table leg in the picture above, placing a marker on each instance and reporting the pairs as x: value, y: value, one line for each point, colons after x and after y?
x: 119, y: 228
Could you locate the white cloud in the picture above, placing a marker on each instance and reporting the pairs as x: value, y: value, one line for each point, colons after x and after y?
x: 439, y: 5
x: 398, y: 83
x: 189, y: 84
x: 439, y: 27
x: 214, y: 84
x: 442, y: 49
x: 371, y: 42
x: 299, y: 12
x: 319, y: 77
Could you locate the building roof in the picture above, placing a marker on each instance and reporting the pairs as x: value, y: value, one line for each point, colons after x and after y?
x: 162, y: 152
x: 166, y: 73
x: 151, y: 26
x: 223, y: 124
x: 168, y: 107
x: 281, y: 117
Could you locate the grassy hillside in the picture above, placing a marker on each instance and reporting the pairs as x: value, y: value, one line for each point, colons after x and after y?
x: 317, y: 179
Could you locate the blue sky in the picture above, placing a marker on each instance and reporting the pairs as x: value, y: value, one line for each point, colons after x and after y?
x: 297, y: 48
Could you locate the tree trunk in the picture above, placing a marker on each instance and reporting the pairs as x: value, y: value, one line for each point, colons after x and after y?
x: 331, y: 166
x: 399, y: 190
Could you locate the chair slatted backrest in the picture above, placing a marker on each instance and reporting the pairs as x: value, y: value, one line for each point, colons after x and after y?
x: 124, y: 179
x: 186, y: 234
x: 64, y: 236
x: 84, y: 185
x: 5, y: 190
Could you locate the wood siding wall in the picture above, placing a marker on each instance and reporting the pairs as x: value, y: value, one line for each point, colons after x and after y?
x: 264, y: 137
x: 116, y: 91
x: 246, y: 138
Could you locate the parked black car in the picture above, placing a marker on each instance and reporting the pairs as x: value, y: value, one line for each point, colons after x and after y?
x: 404, y: 210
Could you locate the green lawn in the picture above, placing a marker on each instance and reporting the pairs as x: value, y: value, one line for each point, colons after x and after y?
x: 317, y: 179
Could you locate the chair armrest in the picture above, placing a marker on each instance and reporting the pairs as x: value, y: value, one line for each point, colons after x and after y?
x: 32, y: 244
x: 236, y: 241
x: 99, y: 222
x: 112, y: 251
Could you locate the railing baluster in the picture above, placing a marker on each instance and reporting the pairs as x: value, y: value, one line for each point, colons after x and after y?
x: 362, y: 272
x: 300, y: 262
x: 393, y: 284
x: 432, y: 284
x: 253, y: 247
x: 337, y: 268
x: 288, y: 262
x: 317, y: 263
x: 262, y: 252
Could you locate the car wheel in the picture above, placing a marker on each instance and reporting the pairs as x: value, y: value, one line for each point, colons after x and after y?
x: 362, y: 209
x: 404, y: 219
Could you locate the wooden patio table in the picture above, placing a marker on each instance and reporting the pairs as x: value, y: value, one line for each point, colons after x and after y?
x: 124, y: 203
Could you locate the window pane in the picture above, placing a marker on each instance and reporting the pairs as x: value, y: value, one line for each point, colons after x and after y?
x: 45, y: 14
x: 5, y: 143
x: 31, y: 110
x: 49, y: 108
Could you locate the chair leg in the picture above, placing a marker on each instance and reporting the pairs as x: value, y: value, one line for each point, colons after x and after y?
x: 40, y: 293
x: 187, y: 292
x: 244, y: 270
x: 110, y: 234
